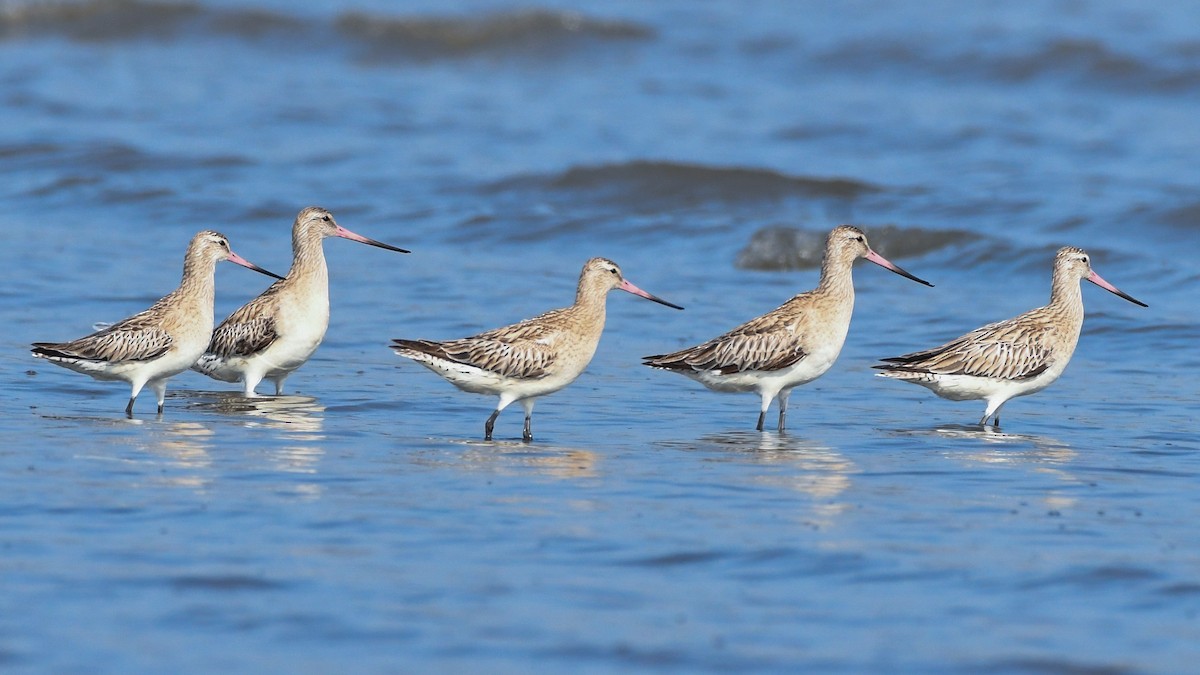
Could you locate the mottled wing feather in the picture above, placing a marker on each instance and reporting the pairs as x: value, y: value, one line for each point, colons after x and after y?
x: 1012, y: 350
x: 522, y: 350
x: 137, y: 338
x: 755, y: 345
x: 243, y: 338
x: 249, y: 330
x: 522, y: 359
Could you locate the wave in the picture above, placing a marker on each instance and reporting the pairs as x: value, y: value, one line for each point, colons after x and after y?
x: 1185, y: 217
x: 119, y: 20
x: 790, y: 248
x: 660, y: 182
x: 1086, y: 61
x: 522, y: 31
x: 109, y: 158
x: 92, y: 20
x: 638, y: 199
x: 526, y: 31
x: 641, y: 202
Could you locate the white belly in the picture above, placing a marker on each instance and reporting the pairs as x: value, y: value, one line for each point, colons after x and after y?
x: 972, y: 388
x: 300, y: 321
x: 179, y: 358
x: 772, y: 381
x: 477, y: 381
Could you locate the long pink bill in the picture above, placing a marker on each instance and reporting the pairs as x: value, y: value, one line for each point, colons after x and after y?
x: 239, y: 260
x: 630, y: 288
x: 1096, y: 279
x: 347, y: 234
x: 883, y: 262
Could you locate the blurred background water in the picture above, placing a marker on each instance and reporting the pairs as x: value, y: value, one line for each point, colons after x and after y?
x: 359, y: 524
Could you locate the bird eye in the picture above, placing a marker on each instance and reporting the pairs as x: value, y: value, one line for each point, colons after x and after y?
x: 325, y: 218
x: 859, y: 238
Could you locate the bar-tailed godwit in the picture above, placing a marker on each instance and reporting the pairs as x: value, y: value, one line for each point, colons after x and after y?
x: 791, y: 345
x: 150, y: 347
x: 277, y: 332
x: 532, y: 358
x: 1006, y: 359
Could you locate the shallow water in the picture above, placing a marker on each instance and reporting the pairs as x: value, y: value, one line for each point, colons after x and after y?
x: 359, y: 521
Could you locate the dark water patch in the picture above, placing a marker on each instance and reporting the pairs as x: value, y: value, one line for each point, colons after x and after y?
x: 524, y: 32
x: 134, y: 196
x: 765, y: 564
x: 764, y: 45
x: 1143, y: 472
x: 1046, y: 666
x: 822, y: 131
x: 1187, y: 589
x: 95, y: 21
x: 1084, y: 61
x: 229, y: 582
x: 649, y: 186
x: 95, y: 510
x: 998, y: 256
x: 110, y: 157
x: 64, y: 183
x: 1096, y: 577
x: 641, y: 201
x: 790, y: 248
x: 123, y: 20
x: 109, y: 173
x: 679, y: 558
x: 1092, y: 62
x: 1161, y: 453
x: 619, y: 653
x: 378, y: 38
x: 641, y: 657
x: 902, y: 577
x: 691, y: 183
x: 16, y: 151
x: 910, y: 472
x: 1185, y: 217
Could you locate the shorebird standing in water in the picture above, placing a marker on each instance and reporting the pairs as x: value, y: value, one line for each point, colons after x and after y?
x: 150, y: 347
x: 532, y: 358
x: 277, y: 332
x: 1006, y: 359
x: 791, y: 345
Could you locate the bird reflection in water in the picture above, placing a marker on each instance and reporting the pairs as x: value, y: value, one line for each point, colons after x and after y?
x: 186, y: 445
x: 300, y: 421
x: 1042, y: 454
x: 513, y: 458
x: 808, y: 467
x: 1001, y: 448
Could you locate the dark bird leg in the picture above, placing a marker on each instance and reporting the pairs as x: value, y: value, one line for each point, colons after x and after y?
x: 129, y: 408
x: 490, y: 424
x: 783, y: 399
x: 527, y: 434
x: 762, y: 415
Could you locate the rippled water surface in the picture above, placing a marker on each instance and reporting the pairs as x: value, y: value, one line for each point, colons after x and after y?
x: 359, y: 524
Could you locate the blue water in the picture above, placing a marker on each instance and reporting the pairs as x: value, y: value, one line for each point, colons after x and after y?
x: 360, y: 524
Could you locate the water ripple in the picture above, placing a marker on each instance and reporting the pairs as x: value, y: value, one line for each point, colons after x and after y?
x: 517, y: 32
x: 790, y: 248
x: 381, y: 37
x: 1088, y: 61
